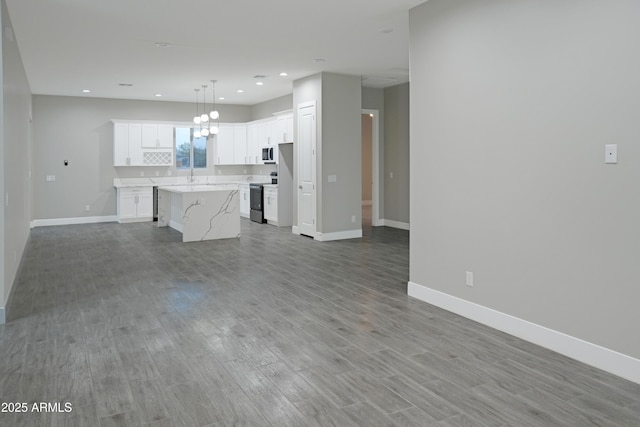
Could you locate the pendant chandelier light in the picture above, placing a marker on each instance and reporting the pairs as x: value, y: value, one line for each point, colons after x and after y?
x: 212, y: 128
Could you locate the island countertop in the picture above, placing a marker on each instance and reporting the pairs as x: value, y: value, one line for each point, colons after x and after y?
x: 198, y: 188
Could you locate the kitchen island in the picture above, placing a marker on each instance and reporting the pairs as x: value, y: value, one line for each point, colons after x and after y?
x: 200, y: 212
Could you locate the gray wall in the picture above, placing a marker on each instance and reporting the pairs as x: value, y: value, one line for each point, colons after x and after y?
x: 341, y: 153
x: 79, y: 130
x: 396, y: 153
x: 15, y: 140
x: 511, y: 106
x: 266, y: 109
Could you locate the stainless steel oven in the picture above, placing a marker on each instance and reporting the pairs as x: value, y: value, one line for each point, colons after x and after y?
x: 256, y: 200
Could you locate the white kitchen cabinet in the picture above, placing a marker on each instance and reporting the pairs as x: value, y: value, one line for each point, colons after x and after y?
x: 254, y: 149
x: 231, y: 145
x: 245, y: 201
x: 157, y: 136
x: 142, y: 144
x: 135, y: 204
x: 224, y: 145
x: 127, y: 149
x: 271, y: 204
x: 240, y: 144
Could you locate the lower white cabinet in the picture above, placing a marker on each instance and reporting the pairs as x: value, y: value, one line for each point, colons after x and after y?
x: 245, y: 201
x: 271, y: 204
x: 135, y: 204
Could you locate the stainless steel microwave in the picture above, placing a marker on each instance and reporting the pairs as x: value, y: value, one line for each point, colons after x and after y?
x: 267, y: 155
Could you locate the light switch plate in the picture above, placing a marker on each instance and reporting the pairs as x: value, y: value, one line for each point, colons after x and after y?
x: 332, y: 178
x: 611, y: 153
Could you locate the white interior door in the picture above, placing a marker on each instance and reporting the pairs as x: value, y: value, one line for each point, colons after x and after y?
x: 307, y: 169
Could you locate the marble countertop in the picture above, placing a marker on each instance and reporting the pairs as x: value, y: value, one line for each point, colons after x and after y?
x: 199, y: 188
x: 183, y: 180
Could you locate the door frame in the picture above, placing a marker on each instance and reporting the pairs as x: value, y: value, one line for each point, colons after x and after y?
x: 375, y: 167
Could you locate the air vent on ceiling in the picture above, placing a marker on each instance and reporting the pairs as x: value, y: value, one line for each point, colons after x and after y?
x: 125, y: 84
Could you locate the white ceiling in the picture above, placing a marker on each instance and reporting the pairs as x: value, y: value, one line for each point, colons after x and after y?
x: 71, y: 45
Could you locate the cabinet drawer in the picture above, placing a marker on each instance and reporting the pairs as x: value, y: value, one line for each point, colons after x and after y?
x: 137, y: 191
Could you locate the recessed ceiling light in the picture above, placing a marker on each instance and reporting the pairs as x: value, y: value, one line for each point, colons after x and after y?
x: 85, y: 91
x: 240, y: 91
x: 318, y: 60
x: 163, y: 44
x: 259, y: 83
x: 221, y: 98
x: 283, y: 74
x: 158, y: 95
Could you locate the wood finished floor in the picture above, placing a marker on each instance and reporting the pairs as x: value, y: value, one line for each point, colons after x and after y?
x: 133, y: 327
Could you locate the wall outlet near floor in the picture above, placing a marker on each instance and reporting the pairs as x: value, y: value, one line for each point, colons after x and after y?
x: 157, y: 173
x: 141, y: 173
x: 353, y: 218
x: 51, y: 178
x: 469, y: 280
x: 87, y: 208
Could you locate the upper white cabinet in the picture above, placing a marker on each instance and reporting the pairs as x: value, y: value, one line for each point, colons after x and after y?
x: 254, y: 149
x: 240, y: 144
x: 127, y: 148
x: 224, y: 145
x: 157, y: 136
x: 142, y: 144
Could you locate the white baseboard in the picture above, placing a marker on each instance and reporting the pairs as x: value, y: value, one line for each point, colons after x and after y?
x: 72, y: 221
x: 367, y: 203
x: 394, y: 224
x: 139, y: 219
x: 295, y: 229
x: 339, y: 235
x: 592, y: 354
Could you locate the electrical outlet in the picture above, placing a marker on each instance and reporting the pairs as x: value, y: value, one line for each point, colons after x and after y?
x: 390, y: 175
x: 141, y: 173
x: 157, y: 173
x: 353, y: 218
x: 611, y: 153
x: 469, y: 279
x: 87, y: 208
x: 51, y: 178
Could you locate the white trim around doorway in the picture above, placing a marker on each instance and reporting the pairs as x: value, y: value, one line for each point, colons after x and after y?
x: 375, y: 167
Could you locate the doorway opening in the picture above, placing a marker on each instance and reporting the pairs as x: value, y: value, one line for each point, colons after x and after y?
x: 370, y: 169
